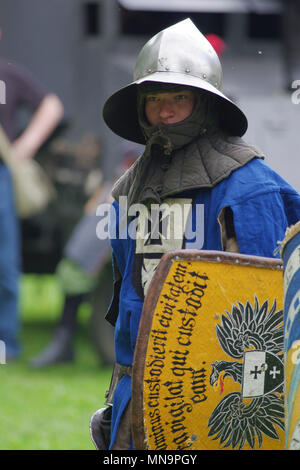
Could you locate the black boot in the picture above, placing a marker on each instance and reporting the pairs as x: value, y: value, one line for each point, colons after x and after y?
x: 61, y: 347
x: 59, y: 350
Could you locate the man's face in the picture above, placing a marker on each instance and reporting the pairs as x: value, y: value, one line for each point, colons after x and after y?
x: 169, y: 108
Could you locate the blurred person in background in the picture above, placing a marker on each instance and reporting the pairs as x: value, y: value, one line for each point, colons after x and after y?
x: 20, y: 90
x: 85, y: 255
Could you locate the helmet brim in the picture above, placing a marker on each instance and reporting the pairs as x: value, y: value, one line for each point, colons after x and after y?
x: 120, y: 109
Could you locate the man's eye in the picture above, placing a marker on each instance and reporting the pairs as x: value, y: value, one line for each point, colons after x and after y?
x: 181, y: 97
x: 151, y: 99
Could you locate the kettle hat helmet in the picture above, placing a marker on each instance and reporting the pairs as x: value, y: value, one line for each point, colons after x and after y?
x: 180, y: 55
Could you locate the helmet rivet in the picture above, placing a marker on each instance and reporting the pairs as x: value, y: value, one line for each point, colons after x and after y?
x: 204, y: 75
x: 149, y: 70
x: 187, y: 70
x: 167, y: 68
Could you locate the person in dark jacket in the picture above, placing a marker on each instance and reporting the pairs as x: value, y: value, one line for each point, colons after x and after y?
x: 20, y: 90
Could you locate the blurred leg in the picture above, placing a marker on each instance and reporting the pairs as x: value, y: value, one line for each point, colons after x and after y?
x: 9, y: 267
x: 60, y: 348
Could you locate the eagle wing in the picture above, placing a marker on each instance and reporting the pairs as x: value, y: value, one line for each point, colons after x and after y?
x: 247, y: 327
x: 235, y: 423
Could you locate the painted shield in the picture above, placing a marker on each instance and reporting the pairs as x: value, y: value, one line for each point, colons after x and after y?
x: 291, y: 264
x: 208, y: 368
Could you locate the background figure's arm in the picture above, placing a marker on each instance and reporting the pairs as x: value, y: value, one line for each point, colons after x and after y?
x: 42, y: 124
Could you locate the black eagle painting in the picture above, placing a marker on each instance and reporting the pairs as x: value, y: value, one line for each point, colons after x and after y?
x: 253, y: 337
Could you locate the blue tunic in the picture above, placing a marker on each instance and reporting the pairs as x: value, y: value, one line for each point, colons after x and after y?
x: 263, y: 205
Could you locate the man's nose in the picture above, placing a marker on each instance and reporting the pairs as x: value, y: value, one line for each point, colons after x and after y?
x: 166, y: 108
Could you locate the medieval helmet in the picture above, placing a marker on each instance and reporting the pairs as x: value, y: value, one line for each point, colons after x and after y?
x: 181, y: 55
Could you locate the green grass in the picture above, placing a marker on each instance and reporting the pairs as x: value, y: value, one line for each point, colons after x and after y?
x: 49, y: 409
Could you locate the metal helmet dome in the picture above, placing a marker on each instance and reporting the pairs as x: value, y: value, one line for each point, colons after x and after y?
x: 181, y: 55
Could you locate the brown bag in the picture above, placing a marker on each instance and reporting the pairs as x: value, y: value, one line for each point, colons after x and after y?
x: 32, y: 188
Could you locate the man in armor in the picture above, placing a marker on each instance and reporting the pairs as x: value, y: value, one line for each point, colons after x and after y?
x: 194, y: 158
